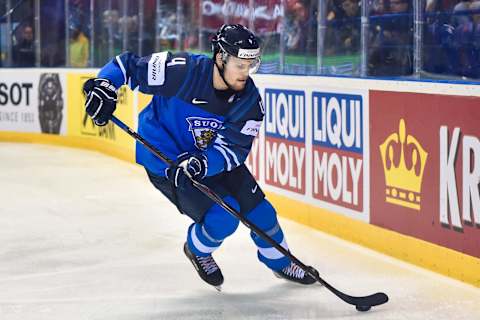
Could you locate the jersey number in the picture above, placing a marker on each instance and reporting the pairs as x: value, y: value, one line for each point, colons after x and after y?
x: 176, y: 61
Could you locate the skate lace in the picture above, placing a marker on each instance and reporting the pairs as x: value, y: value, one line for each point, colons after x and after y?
x: 294, y: 270
x: 208, y: 264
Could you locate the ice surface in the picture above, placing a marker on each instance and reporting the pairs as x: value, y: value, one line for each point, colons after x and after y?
x: 85, y: 236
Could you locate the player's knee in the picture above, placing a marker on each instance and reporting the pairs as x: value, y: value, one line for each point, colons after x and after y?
x: 263, y: 215
x: 219, y: 223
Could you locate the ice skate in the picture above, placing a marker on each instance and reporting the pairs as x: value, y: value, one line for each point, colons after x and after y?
x: 206, y: 267
x: 294, y: 273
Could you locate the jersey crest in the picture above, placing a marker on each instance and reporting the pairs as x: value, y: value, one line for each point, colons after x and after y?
x: 203, y: 130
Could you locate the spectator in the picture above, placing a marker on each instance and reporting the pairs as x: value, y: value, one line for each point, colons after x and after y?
x: 78, y: 48
x: 296, y: 21
x: 391, y: 40
x: 378, y: 7
x: 53, y: 43
x: 399, y: 6
x: 24, y: 50
x: 440, y: 55
x: 475, y: 9
x: 129, y: 24
x: 343, y: 27
x: 463, y: 34
x: 440, y: 5
x: 168, y: 32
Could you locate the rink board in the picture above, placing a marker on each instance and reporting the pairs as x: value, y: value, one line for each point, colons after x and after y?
x: 391, y: 165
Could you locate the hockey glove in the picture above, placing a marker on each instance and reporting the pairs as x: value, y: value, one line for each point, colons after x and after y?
x: 188, y: 166
x: 101, y: 100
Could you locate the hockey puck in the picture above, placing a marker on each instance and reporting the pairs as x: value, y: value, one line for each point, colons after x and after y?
x: 363, y: 308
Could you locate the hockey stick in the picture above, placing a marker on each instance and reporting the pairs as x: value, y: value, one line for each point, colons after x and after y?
x: 9, y: 12
x: 361, y: 303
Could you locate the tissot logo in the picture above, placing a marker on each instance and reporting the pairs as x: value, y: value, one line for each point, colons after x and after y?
x: 15, y: 93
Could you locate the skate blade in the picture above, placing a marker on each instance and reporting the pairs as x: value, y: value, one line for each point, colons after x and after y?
x: 219, y: 288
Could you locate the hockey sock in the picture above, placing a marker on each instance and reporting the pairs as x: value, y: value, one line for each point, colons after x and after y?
x: 264, y: 216
x: 204, y: 238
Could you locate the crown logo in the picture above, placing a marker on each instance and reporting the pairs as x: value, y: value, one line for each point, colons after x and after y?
x: 404, y: 161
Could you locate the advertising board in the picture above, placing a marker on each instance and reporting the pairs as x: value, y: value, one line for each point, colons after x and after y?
x: 425, y: 167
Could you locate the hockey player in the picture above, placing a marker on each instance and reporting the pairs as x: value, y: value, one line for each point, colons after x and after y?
x: 205, y: 113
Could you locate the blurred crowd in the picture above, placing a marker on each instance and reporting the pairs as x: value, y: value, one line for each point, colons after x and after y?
x: 53, y: 34
x: 451, y: 34
x: 451, y: 43
x: 452, y: 38
x: 391, y: 38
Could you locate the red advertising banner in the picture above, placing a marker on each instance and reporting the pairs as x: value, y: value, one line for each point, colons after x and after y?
x: 267, y: 14
x: 425, y: 167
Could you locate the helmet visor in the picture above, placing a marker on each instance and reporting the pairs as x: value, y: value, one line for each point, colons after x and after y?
x: 244, y: 65
x: 254, y: 66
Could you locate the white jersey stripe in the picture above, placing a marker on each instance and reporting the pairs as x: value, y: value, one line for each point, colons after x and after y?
x: 122, y: 67
x: 272, y: 253
x: 234, y: 156
x: 198, y: 245
x: 224, y: 154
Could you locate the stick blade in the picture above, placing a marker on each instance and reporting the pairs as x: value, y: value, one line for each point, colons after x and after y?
x: 375, y: 299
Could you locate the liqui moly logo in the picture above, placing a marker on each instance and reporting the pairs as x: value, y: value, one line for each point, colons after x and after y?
x: 338, y: 149
x: 285, y: 139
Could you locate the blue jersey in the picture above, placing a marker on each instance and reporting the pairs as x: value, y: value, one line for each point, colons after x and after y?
x: 186, y: 113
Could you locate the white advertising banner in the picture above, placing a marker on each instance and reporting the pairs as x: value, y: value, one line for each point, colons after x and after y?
x: 33, y: 100
x: 314, y: 144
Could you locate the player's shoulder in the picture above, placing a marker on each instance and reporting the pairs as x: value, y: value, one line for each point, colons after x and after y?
x: 252, y: 88
x: 199, y: 62
x: 189, y: 62
x: 179, y: 57
x: 167, y: 59
x: 254, y: 96
x: 249, y: 105
x: 163, y: 72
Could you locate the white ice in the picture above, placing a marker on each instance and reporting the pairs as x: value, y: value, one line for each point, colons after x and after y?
x: 85, y: 236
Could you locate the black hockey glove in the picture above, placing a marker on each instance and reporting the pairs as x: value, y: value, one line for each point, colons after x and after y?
x: 188, y: 165
x: 101, y: 100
